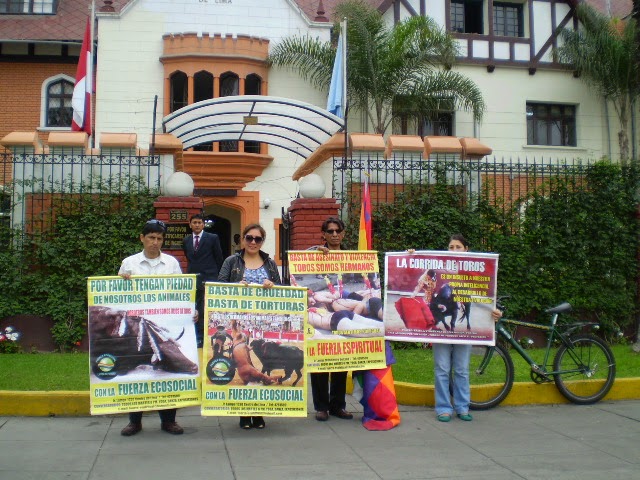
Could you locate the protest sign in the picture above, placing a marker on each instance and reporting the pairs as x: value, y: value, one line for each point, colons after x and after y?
x: 440, y: 297
x: 254, y: 351
x: 142, y: 343
x: 344, y: 329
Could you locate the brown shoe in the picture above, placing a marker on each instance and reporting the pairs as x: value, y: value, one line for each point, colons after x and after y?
x: 322, y: 416
x: 131, y: 429
x: 172, y: 427
x: 342, y: 413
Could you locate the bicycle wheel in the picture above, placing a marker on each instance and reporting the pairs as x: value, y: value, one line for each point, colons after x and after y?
x: 587, y: 369
x: 490, y: 376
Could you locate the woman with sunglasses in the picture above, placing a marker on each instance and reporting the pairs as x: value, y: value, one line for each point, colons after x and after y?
x: 251, y: 265
x: 329, y: 389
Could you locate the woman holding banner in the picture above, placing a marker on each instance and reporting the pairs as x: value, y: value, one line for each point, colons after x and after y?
x: 251, y: 265
x: 448, y: 357
x: 329, y: 389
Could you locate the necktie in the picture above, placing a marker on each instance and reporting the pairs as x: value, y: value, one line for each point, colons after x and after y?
x: 197, y: 242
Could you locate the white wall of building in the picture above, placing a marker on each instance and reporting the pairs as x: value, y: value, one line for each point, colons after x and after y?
x: 130, y: 74
x: 129, y: 70
x: 506, y: 93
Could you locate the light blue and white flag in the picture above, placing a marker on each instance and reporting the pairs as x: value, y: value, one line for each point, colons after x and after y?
x: 336, y: 103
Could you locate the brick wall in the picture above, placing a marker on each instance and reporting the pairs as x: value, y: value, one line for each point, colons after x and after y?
x: 21, y: 92
x: 307, y: 216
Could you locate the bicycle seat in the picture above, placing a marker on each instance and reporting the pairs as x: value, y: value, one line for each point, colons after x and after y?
x: 563, y: 307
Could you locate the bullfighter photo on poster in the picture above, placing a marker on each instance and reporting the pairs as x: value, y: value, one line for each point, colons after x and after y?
x: 440, y: 297
x: 254, y: 351
x: 142, y: 343
x: 344, y: 328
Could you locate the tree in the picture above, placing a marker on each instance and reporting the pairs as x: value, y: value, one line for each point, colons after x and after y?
x: 604, y: 52
x: 404, y: 70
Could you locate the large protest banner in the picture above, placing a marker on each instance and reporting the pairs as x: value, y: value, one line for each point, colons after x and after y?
x: 254, y: 351
x: 440, y: 297
x: 344, y: 328
x: 142, y: 343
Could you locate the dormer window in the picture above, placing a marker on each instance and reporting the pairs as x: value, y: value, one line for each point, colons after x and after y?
x: 28, y: 7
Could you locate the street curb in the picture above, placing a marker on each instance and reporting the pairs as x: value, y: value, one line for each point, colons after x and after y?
x: 522, y: 393
x: 44, y: 404
x: 76, y: 404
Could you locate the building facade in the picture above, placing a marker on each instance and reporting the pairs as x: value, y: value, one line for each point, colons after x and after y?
x: 155, y: 57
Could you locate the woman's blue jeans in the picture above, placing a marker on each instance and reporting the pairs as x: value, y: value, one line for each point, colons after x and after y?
x: 447, y: 357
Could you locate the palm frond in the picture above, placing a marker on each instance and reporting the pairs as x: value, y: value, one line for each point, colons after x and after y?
x: 310, y: 57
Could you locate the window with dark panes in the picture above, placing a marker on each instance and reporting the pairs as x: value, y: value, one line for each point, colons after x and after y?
x: 467, y: 16
x: 202, y: 86
x: 59, y: 109
x: 440, y: 125
x: 252, y: 86
x: 28, y: 7
x: 507, y: 19
x: 178, y: 85
x: 551, y: 124
x: 203, y: 90
x: 229, y: 86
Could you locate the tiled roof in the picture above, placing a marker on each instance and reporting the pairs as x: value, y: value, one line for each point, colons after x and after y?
x: 71, y: 17
x: 68, y: 23
x: 309, y: 7
x: 619, y: 8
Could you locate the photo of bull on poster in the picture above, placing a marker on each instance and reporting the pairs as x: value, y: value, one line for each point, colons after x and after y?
x: 344, y: 328
x: 440, y: 297
x: 254, y: 351
x: 142, y: 343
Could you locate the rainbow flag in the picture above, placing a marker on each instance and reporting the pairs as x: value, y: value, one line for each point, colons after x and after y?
x: 375, y: 389
x: 364, y: 236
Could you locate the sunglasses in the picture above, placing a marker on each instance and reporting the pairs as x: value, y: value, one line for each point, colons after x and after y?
x: 156, y: 222
x: 251, y: 238
x: 331, y: 232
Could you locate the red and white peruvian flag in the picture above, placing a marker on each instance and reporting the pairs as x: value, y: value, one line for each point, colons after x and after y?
x: 81, y: 101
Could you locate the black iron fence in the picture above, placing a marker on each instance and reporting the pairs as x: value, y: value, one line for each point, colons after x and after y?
x: 34, y: 187
x: 285, y: 244
x: 508, y: 185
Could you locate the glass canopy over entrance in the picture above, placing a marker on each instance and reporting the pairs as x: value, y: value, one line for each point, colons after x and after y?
x: 290, y: 124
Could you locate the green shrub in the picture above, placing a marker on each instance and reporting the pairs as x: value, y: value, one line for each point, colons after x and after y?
x: 91, y: 234
x: 571, y: 237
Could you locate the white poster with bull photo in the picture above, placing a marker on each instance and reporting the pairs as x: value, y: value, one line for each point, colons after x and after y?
x: 254, y: 351
x: 440, y: 297
x: 142, y: 343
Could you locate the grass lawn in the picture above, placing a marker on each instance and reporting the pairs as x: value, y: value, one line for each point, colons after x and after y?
x: 70, y: 371
x: 416, y: 365
x: 44, y: 371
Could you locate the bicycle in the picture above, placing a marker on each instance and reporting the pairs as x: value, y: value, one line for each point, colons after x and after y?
x: 583, y: 368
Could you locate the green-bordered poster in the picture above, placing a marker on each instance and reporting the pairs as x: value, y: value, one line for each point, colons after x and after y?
x: 142, y: 343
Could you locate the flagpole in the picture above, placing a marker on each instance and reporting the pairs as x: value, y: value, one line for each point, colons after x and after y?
x: 343, y: 28
x: 91, y: 49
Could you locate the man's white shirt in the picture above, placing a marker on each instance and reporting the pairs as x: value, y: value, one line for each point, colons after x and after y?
x: 138, y: 264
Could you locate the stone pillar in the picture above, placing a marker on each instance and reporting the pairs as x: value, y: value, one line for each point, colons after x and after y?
x: 307, y: 216
x: 175, y: 212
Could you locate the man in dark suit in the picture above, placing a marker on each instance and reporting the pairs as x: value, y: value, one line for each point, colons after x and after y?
x: 204, y: 257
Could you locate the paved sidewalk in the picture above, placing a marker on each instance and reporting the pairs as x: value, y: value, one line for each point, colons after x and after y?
x: 601, y: 441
